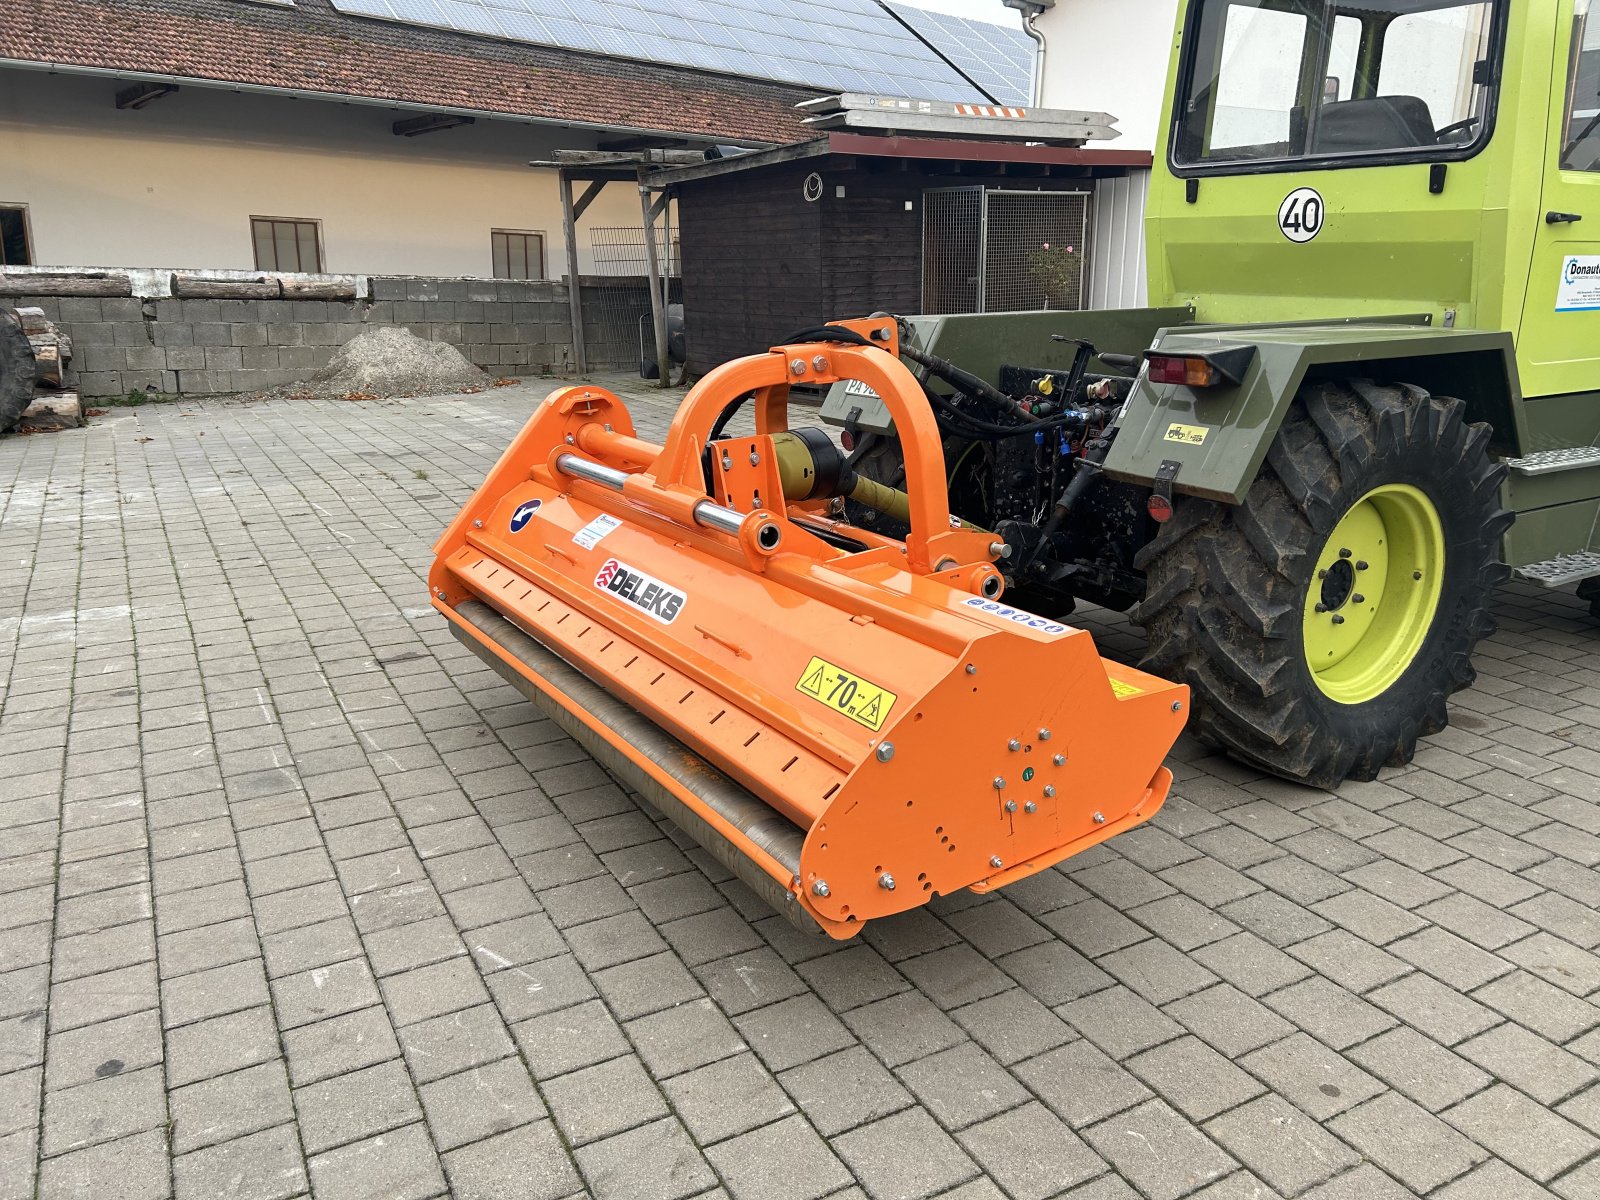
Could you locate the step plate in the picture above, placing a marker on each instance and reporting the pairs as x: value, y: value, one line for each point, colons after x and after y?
x: 1548, y: 462
x: 1563, y: 569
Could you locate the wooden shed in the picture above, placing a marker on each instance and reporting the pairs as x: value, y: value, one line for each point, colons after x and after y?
x: 778, y: 240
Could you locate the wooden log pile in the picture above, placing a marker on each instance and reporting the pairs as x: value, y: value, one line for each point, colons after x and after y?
x: 52, y: 349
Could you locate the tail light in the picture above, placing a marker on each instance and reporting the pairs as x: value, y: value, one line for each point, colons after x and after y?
x: 1200, y: 368
x: 1172, y: 368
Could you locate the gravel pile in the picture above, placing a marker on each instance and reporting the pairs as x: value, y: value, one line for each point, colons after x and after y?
x: 395, y: 362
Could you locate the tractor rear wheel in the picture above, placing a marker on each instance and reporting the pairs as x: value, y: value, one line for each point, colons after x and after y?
x: 1323, y: 622
x: 16, y: 371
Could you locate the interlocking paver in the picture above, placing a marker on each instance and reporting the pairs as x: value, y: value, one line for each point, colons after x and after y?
x: 860, y: 975
x: 602, y: 1100
x: 1030, y: 1153
x: 339, y: 1044
x: 1287, y: 1149
x: 139, y: 1164
x: 1193, y: 1078
x: 1522, y: 1132
x: 1330, y: 1013
x: 844, y: 1090
x: 1526, y: 1061
x: 103, y: 1110
x: 904, y: 1155
x: 1415, y: 1147
x: 480, y: 1102
x: 94, y: 1051
x: 261, y: 1166
x: 280, y: 862
x: 355, y: 1105
x: 566, y: 1040
x: 658, y: 1161
x: 524, y: 1164
x: 962, y: 1085
x: 1312, y: 1077
x: 1161, y: 1153
x: 1541, y: 1006
x: 785, y: 1160
x: 1013, y: 1026
x: 400, y: 1165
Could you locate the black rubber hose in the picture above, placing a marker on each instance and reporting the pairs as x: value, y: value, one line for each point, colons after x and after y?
x: 966, y: 382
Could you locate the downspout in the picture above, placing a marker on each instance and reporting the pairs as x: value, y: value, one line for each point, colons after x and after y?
x: 1030, y: 10
x: 1028, y: 18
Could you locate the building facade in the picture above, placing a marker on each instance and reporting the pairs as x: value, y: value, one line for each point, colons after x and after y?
x: 226, y: 134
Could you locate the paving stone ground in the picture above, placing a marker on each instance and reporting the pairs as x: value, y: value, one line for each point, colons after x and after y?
x: 298, y: 898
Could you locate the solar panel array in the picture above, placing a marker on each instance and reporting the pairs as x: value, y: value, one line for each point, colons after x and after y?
x: 834, y: 45
x: 839, y: 45
x: 998, y: 58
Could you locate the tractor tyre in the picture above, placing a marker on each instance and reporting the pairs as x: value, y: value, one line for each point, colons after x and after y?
x: 16, y: 371
x: 1324, y: 621
x: 1589, y: 590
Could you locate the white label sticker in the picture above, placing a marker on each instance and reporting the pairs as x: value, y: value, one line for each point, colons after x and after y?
x: 1579, y: 290
x: 854, y: 387
x: 589, y: 536
x: 1017, y: 615
x: 1300, y: 216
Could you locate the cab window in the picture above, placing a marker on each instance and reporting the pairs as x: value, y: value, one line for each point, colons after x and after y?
x: 1281, y: 81
x: 1580, y: 141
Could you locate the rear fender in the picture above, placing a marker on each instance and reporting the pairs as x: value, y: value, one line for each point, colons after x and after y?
x: 1219, y: 436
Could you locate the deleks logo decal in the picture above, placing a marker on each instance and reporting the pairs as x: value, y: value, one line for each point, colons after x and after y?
x: 660, y: 600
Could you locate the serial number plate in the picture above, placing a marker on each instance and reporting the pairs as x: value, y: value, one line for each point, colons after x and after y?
x: 862, y: 701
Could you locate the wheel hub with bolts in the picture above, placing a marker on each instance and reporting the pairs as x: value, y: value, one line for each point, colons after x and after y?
x: 1374, y: 594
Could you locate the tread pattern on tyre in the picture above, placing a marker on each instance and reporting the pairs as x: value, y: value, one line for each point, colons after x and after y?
x: 16, y: 371
x: 1226, y: 584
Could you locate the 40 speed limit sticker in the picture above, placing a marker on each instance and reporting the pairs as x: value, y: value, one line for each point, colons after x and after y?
x: 1302, y: 215
x: 845, y: 692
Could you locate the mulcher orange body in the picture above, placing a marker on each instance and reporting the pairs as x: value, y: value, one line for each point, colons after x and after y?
x: 853, y: 724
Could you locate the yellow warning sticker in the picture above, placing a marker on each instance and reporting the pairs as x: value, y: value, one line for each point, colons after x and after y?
x: 863, y: 702
x: 1123, y: 690
x: 1189, y: 435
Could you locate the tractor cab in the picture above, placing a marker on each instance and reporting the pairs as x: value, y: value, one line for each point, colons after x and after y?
x: 1332, y: 159
x: 1307, y: 83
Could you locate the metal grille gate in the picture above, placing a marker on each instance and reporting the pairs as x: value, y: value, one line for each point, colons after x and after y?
x: 617, y: 331
x: 1000, y: 250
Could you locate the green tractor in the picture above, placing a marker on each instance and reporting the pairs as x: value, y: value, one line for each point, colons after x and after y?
x: 1369, y: 389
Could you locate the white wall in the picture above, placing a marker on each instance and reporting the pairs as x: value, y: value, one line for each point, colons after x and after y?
x: 1110, y: 56
x: 175, y: 184
x: 1116, y: 242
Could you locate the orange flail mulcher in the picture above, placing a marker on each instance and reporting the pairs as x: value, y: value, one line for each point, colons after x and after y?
x: 851, y: 723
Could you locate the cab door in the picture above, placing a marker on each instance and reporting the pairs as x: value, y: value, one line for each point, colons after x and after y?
x: 1558, y: 346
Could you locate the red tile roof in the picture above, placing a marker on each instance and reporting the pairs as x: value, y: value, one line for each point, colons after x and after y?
x: 316, y: 49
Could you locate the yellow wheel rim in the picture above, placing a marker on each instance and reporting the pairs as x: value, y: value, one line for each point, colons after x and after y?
x: 1374, y: 593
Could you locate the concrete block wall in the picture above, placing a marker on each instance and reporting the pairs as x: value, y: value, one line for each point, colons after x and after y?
x: 505, y: 326
x: 205, y: 347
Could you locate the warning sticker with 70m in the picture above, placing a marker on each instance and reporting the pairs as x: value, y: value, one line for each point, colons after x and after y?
x: 863, y: 702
